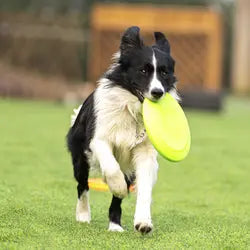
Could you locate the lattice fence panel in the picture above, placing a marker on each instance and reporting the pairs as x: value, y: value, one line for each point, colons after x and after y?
x: 195, y: 37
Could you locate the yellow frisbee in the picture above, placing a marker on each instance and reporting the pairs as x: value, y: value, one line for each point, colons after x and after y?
x: 167, y: 127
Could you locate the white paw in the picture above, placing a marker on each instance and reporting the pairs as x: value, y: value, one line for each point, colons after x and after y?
x: 83, y: 209
x: 143, y: 226
x: 83, y: 217
x: 117, y: 184
x: 115, y: 227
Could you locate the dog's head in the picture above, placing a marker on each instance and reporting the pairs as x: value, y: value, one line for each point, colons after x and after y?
x: 146, y: 71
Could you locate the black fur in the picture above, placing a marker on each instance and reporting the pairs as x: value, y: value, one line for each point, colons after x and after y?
x: 135, y: 69
x: 78, y: 139
x: 115, y: 210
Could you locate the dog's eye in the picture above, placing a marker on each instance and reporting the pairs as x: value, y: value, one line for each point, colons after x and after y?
x: 143, y: 71
x: 164, y: 73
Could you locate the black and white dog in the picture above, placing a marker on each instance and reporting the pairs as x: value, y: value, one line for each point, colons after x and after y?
x: 108, y: 132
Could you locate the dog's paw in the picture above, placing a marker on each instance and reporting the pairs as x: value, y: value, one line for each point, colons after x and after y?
x: 83, y: 217
x: 113, y: 227
x: 117, y: 184
x: 143, y: 227
x: 82, y: 209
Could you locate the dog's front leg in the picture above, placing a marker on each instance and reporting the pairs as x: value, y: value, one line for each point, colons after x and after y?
x: 145, y: 160
x: 110, y: 167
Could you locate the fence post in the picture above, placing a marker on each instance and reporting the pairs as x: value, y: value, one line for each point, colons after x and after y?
x: 241, y: 56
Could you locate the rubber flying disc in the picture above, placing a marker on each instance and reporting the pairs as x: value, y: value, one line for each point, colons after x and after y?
x: 167, y: 127
x: 98, y: 185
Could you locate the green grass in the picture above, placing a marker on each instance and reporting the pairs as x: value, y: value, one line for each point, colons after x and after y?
x: 202, y: 202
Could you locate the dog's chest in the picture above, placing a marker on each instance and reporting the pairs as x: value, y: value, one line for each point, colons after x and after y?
x: 128, y: 132
x: 125, y: 137
x: 119, y: 118
x: 119, y: 122
x: 122, y: 130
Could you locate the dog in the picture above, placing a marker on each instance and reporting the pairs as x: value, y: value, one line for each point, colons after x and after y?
x: 107, y: 130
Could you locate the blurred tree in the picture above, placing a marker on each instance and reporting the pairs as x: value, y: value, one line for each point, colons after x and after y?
x: 82, y: 7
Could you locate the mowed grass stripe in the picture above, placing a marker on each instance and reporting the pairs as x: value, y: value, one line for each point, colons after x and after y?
x: 202, y: 202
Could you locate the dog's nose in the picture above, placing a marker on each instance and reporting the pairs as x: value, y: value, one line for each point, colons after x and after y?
x: 157, y: 93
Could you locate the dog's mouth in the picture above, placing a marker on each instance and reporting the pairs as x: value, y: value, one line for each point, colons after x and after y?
x: 140, y: 96
x: 153, y: 98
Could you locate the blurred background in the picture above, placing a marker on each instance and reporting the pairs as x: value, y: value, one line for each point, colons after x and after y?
x: 52, y: 52
x: 57, y: 49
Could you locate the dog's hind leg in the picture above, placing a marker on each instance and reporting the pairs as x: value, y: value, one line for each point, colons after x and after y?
x: 81, y: 172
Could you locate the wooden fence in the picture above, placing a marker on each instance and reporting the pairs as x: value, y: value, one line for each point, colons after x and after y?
x: 195, y: 35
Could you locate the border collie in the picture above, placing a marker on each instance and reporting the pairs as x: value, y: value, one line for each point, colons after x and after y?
x: 107, y: 130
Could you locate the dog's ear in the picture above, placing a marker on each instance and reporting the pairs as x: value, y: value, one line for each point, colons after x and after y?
x: 131, y: 39
x: 162, y: 42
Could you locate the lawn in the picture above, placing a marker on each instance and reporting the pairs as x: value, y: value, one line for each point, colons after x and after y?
x: 202, y: 202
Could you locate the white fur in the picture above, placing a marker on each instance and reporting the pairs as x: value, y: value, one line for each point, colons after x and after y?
x: 110, y: 167
x: 119, y: 128
x: 118, y: 118
x: 145, y: 160
x: 115, y: 63
x: 115, y: 227
x: 83, y: 208
x: 173, y: 92
x: 155, y: 83
x: 74, y: 116
x: 118, y: 115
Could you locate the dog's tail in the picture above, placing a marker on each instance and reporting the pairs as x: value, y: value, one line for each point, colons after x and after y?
x: 74, y: 115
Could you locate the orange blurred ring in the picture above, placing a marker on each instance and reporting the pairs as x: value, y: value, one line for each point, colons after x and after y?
x: 98, y: 185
